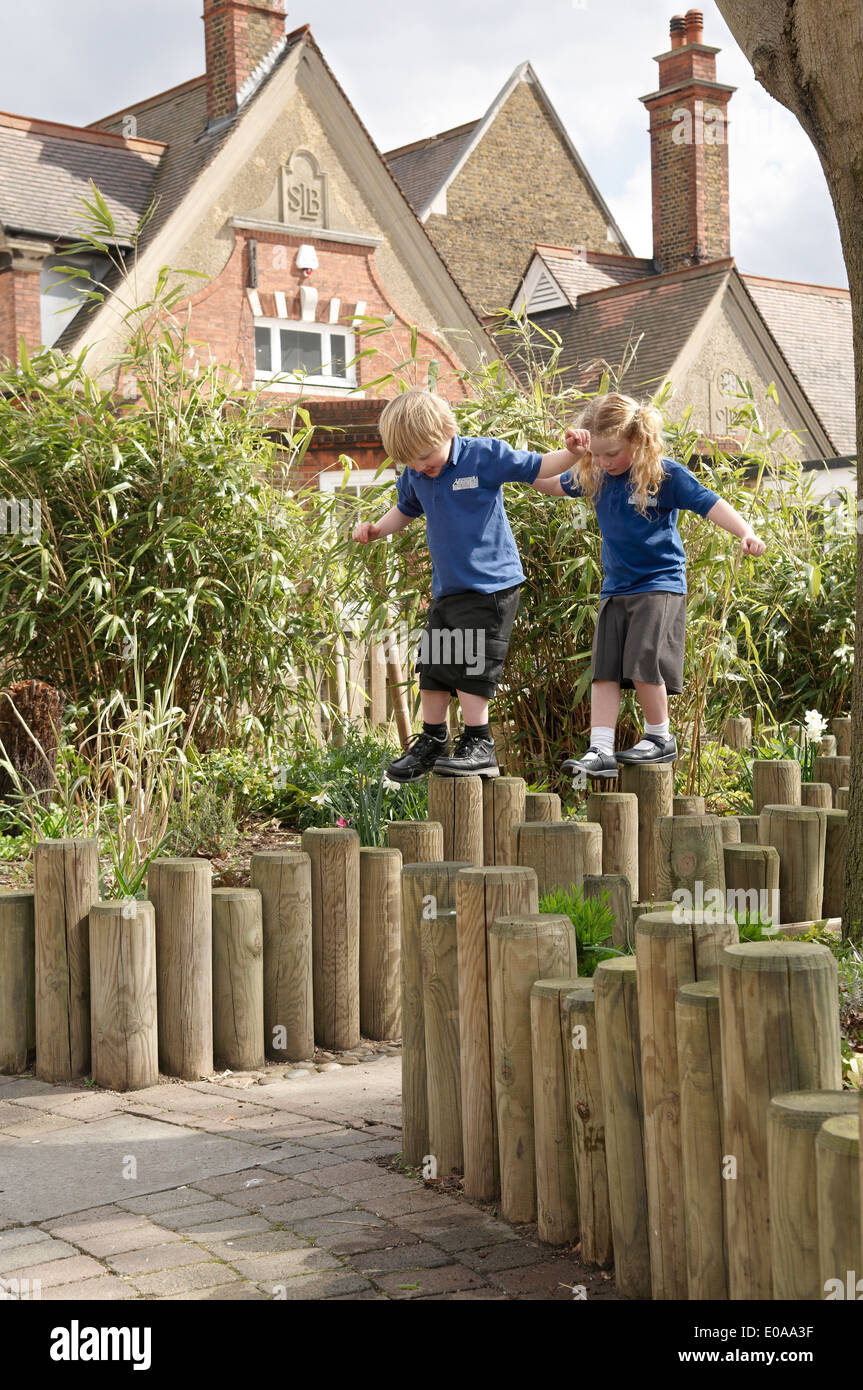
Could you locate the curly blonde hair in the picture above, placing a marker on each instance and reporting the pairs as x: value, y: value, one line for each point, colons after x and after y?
x: 638, y: 425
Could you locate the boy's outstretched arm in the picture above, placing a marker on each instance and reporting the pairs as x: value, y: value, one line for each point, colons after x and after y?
x: 724, y: 515
x: 577, y: 445
x: 393, y: 520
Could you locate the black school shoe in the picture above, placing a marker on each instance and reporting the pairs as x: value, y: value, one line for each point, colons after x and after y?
x: 663, y: 751
x: 595, y: 763
x: 419, y: 759
x: 471, y: 757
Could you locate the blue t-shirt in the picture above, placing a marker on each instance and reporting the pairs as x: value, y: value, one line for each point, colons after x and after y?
x: 469, y: 537
x: 644, y: 553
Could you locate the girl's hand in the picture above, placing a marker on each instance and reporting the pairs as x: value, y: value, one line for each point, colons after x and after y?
x: 752, y: 545
x: 366, y: 531
x: 577, y: 441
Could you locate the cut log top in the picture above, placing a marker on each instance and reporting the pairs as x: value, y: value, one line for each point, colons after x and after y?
x: 548, y: 989
x: 112, y: 906
x: 580, y: 997
x: 434, y: 868
x: 619, y: 965
x: 290, y: 855
x: 75, y: 842
x: 841, y: 1135
x: 679, y: 924
x: 498, y: 873
x: 414, y: 825
x: 240, y: 894
x: 326, y: 832
x: 777, y: 955
x: 526, y: 924
x: 701, y: 994
x: 600, y: 799
x: 836, y: 815
x: 16, y: 895
x: 380, y: 852
x: 750, y: 851
x: 794, y: 812
x: 809, y: 1109
x: 182, y: 865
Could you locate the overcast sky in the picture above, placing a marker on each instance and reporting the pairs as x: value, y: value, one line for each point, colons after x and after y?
x: 422, y: 66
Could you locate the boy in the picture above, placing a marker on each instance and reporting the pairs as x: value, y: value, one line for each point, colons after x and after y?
x: 476, y: 571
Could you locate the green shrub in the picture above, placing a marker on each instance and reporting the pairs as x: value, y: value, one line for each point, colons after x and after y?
x: 592, y: 920
x: 202, y: 823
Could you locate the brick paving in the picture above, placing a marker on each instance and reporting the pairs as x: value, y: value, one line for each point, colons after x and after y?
x: 312, y: 1204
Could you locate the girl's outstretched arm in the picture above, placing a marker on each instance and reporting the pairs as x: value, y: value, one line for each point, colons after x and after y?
x: 724, y: 515
x: 550, y: 486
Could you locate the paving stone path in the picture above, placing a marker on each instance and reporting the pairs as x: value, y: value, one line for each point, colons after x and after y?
x: 267, y: 1186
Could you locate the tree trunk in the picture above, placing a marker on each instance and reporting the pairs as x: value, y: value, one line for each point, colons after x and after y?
x: 809, y: 56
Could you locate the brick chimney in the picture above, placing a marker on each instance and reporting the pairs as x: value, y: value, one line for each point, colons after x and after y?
x: 239, y: 37
x: 689, y: 151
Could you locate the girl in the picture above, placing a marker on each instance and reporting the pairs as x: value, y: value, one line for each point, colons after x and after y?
x: 640, y: 628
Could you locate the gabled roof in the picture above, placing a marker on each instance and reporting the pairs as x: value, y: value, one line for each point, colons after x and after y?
x: 200, y: 160
x: 48, y: 166
x: 663, y: 311
x: 428, y: 167
x: 562, y: 273
x: 812, y: 325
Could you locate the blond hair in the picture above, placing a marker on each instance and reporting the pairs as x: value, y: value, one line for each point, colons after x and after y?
x: 413, y: 423
x: 640, y: 426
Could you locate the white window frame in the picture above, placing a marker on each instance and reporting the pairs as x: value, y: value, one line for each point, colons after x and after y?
x: 321, y: 384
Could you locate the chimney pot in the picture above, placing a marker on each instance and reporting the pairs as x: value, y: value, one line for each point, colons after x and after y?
x: 678, y: 31
x: 694, y: 26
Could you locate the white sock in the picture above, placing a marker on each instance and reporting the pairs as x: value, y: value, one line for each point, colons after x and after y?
x: 602, y: 738
x: 662, y: 730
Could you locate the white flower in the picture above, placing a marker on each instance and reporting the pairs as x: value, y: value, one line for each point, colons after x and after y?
x: 814, y: 726
x: 389, y: 785
x: 321, y: 799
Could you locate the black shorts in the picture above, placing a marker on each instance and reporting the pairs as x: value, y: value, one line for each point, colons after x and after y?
x: 640, y: 637
x: 466, y: 641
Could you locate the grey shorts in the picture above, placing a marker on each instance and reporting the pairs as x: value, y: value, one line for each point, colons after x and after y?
x: 467, y: 639
x: 640, y: 637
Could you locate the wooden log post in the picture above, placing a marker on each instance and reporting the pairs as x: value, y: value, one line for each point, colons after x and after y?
x: 639, y: 910
x: 617, y: 813
x: 737, y: 733
x: 837, y: 1167
x: 65, y: 886
x: 688, y: 806
x: 542, y: 806
x: 618, y: 901
x: 335, y: 856
x: 799, y: 834
x: 123, y: 1016
x: 701, y: 1149
x: 521, y: 950
x: 238, y: 979
x: 841, y: 727
x: 691, y: 858
x: 426, y: 890
x: 439, y: 948
x: 827, y: 747
x: 752, y: 880
x: 729, y: 828
x: 750, y: 829
x: 775, y: 782
x: 420, y: 841
x: 482, y: 895
x: 380, y: 942
x: 779, y: 1018
x: 835, y: 854
x: 835, y: 770
x: 793, y: 1122
x: 502, y: 809
x: 182, y: 896
x: 669, y: 953
x: 587, y: 1123
x: 818, y: 794
x: 653, y: 786
x: 17, y: 980
x: 284, y: 880
x: 561, y: 854
x: 843, y: 799
x: 556, y: 1192
x: 617, y: 1043
x: 457, y: 803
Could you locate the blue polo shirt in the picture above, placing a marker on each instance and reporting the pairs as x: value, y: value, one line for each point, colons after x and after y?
x: 469, y: 537
x: 641, y: 554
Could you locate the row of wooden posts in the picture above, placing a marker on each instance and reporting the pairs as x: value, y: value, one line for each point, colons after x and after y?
x: 680, y: 1113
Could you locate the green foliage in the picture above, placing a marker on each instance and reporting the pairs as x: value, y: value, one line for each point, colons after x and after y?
x: 201, y: 823
x: 592, y: 920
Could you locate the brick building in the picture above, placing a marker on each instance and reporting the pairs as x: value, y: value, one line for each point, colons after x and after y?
x: 267, y: 183
x: 689, y: 316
